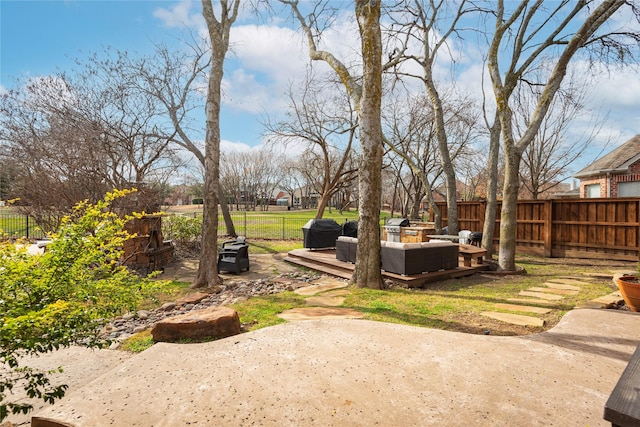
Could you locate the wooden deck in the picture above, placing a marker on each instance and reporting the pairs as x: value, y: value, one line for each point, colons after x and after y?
x: 324, y: 260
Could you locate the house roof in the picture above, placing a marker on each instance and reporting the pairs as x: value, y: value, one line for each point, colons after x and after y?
x: 616, y: 161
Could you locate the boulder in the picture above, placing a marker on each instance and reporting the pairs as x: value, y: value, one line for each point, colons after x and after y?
x: 210, y: 323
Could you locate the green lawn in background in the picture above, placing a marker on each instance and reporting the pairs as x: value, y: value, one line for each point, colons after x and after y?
x: 14, y: 224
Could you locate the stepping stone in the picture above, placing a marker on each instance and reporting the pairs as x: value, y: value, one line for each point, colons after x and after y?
x: 337, y: 293
x: 514, y: 319
x: 325, y: 301
x: 312, y: 313
x: 608, y: 299
x: 599, y: 275
x: 525, y: 308
x: 532, y: 301
x: 553, y: 291
x: 325, y: 285
x: 553, y: 285
x: 542, y: 295
x: 328, y: 280
x: 567, y: 281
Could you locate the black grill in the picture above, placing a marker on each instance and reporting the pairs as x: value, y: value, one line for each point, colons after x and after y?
x: 350, y: 229
x: 475, y: 238
x: 321, y: 233
x: 398, y: 222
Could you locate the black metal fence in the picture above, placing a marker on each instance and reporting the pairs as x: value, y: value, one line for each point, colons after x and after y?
x: 252, y: 226
x: 256, y: 226
x: 16, y: 225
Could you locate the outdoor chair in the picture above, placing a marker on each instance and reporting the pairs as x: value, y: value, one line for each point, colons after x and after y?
x: 465, y: 236
x: 234, y: 260
x: 240, y: 240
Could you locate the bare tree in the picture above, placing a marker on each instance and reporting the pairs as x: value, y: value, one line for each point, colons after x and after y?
x: 328, y: 127
x: 219, y: 28
x: 412, y: 135
x: 520, y: 27
x: 293, y: 180
x: 545, y: 162
x: 174, y: 79
x: 74, y: 138
x: 366, y: 97
x: 251, y: 177
x: 428, y: 26
x: 268, y: 174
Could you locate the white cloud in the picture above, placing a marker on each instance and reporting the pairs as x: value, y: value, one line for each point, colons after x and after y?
x: 271, y: 58
x: 267, y: 59
x: 614, y: 95
x: 227, y: 146
x: 180, y: 15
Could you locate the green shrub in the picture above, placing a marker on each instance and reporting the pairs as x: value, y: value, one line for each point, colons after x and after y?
x: 182, y: 229
x: 63, y: 296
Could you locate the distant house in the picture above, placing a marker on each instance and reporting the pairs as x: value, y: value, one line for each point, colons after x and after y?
x: 615, y: 175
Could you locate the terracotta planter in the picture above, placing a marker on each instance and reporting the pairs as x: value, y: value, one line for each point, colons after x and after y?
x: 629, y: 286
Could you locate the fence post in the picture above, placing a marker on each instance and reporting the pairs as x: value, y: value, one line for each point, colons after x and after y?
x: 245, y: 225
x: 548, y: 227
x: 482, y: 209
x: 283, y: 228
x: 27, y: 221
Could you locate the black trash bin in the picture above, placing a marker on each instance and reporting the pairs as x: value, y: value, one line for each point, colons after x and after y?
x: 321, y: 233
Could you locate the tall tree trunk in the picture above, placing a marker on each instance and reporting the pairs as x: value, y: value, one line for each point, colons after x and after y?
x: 445, y: 160
x: 226, y: 215
x: 207, y: 275
x: 508, y: 223
x: 322, y: 204
x: 503, y: 91
x: 367, y: 269
x: 489, y: 227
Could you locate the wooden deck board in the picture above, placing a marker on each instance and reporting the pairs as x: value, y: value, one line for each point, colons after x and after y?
x: 326, y: 262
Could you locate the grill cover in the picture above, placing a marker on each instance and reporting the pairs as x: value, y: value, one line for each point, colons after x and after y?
x: 321, y: 233
x: 398, y: 222
x: 350, y: 229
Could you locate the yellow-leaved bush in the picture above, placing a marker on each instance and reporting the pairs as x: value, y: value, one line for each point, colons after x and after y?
x: 64, y: 296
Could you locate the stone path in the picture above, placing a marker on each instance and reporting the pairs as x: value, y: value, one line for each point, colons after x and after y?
x: 324, y: 298
x: 325, y: 295
x: 550, y: 294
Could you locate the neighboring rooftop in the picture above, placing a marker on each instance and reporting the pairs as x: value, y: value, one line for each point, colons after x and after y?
x: 617, y: 161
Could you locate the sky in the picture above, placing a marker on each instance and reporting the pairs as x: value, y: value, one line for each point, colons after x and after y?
x: 41, y: 37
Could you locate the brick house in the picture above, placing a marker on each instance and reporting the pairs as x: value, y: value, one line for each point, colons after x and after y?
x: 616, y: 174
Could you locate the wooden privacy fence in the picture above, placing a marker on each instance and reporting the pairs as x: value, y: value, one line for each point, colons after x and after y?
x: 574, y: 228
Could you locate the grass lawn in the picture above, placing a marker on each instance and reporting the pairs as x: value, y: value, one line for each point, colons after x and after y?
x: 453, y: 304
x: 15, y: 225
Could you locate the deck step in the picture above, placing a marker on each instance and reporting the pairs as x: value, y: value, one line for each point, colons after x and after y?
x: 345, y: 274
x: 325, y: 261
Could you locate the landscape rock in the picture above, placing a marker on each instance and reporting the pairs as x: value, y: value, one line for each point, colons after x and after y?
x: 192, y: 298
x: 210, y: 323
x: 167, y: 306
x: 226, y: 294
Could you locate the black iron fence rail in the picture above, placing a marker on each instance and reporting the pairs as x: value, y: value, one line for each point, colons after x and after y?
x: 252, y: 226
x: 15, y: 225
